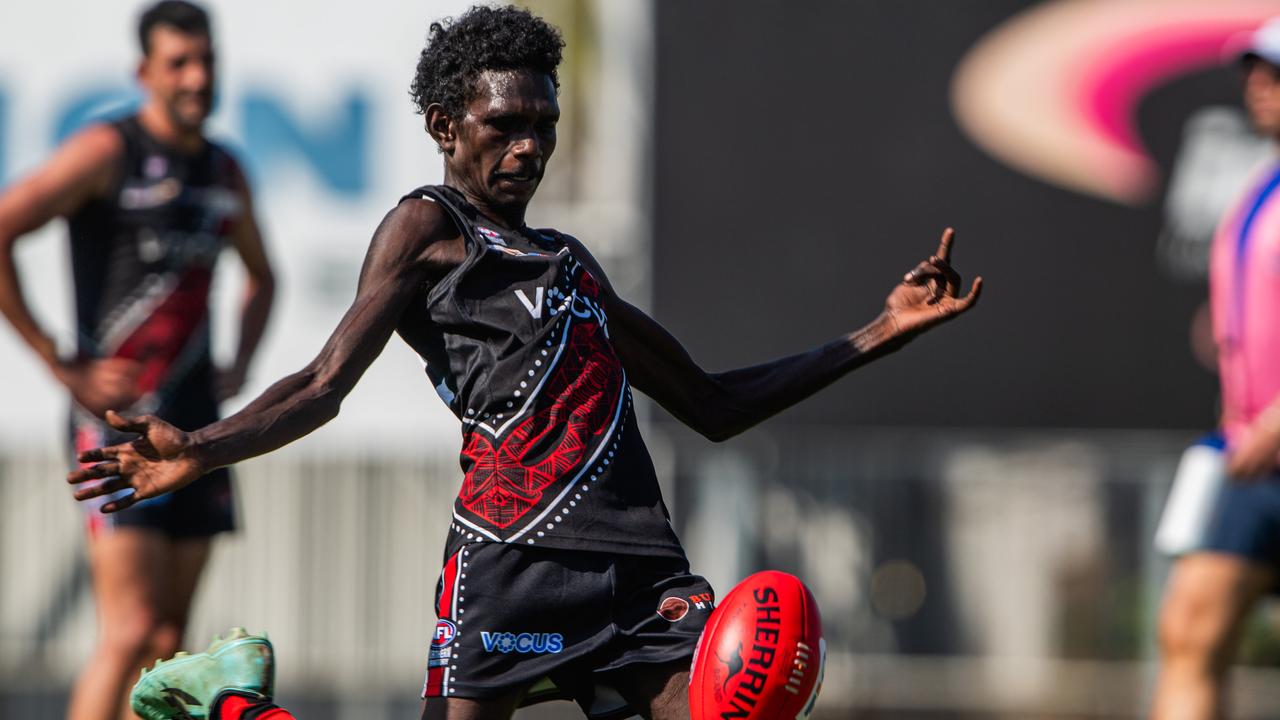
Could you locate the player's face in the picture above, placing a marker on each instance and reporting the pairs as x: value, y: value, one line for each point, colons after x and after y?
x: 506, y: 136
x: 1262, y: 96
x: 178, y: 73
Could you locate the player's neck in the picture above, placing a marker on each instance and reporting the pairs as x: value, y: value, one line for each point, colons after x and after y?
x: 510, y: 217
x: 160, y: 126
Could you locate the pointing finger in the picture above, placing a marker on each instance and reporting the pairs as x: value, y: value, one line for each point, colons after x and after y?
x: 944, y: 246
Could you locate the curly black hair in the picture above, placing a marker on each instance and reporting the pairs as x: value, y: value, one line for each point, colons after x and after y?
x: 482, y: 38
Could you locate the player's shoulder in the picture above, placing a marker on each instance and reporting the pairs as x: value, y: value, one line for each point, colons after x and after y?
x: 425, y: 218
x: 86, y: 164
x: 580, y: 252
x: 99, y: 141
x: 418, y: 230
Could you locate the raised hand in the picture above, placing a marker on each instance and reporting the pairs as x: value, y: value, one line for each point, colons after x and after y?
x: 159, y: 461
x: 930, y: 294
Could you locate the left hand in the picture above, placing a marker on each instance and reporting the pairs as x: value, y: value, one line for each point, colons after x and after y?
x: 228, y: 382
x: 1256, y: 457
x: 160, y: 460
x: 930, y: 294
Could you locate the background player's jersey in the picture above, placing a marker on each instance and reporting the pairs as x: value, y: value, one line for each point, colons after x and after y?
x: 142, y: 261
x: 1244, y: 285
x: 516, y: 342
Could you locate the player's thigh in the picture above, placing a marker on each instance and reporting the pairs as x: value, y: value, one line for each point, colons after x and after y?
x: 437, y: 708
x: 127, y: 565
x: 657, y: 691
x: 185, y: 560
x: 1206, y: 597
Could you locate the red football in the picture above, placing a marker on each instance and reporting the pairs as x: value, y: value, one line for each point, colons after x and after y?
x: 761, y: 655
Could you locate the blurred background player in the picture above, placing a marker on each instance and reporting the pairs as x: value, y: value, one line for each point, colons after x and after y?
x: 150, y: 203
x: 1212, y: 589
x: 576, y: 575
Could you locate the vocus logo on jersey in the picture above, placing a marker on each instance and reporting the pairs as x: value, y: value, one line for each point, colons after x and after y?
x: 524, y: 643
x: 534, y: 306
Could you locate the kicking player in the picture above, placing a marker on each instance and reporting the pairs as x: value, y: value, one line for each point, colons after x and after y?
x: 1212, y: 590
x: 150, y: 203
x: 563, y: 576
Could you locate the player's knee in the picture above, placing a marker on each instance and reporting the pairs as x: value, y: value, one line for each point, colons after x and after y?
x: 673, y: 702
x: 1192, y: 630
x: 129, y: 637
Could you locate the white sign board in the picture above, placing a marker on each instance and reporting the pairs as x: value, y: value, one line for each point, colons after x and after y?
x: 315, y: 101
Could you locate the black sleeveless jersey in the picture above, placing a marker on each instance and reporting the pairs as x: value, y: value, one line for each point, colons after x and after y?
x: 142, y: 262
x: 517, y: 344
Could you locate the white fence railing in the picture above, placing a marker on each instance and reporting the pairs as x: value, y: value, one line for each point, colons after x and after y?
x: 972, y: 573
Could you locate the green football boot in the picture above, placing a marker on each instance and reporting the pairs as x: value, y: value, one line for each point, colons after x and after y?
x: 185, y: 686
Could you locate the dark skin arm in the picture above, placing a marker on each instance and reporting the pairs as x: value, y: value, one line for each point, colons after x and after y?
x: 721, y: 405
x: 415, y: 244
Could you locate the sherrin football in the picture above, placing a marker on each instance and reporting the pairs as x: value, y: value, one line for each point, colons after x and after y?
x: 761, y: 656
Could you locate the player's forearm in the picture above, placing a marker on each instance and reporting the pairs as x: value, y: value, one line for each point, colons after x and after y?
x: 284, y: 412
x: 740, y: 399
x: 254, y: 312
x: 15, y: 309
x: 311, y: 397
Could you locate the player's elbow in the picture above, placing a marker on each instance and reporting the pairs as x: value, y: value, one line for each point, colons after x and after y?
x: 325, y: 393
x: 718, y: 434
x: 721, y: 428
x: 328, y: 400
x: 713, y: 415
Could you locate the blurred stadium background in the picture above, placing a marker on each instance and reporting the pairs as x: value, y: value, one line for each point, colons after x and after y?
x: 974, y: 514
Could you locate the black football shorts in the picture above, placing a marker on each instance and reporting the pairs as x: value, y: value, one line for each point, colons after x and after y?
x: 556, y: 624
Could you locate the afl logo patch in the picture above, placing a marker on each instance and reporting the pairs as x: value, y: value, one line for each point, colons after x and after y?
x: 445, y: 632
x: 673, y: 609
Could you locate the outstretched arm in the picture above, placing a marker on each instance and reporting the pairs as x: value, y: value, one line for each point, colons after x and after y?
x: 721, y: 405
x: 415, y: 244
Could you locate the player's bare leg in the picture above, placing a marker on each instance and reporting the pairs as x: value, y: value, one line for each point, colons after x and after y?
x: 179, y: 566
x: 124, y: 565
x: 657, y: 692
x: 183, y: 563
x: 143, y: 584
x: 1209, y: 595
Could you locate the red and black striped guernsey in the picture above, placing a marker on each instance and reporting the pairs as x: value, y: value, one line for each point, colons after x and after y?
x: 516, y: 342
